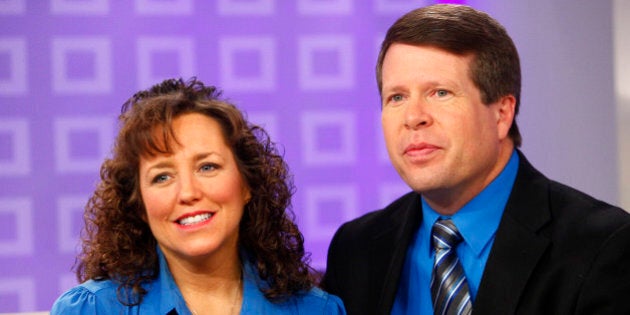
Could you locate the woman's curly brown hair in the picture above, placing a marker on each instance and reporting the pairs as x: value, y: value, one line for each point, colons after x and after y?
x: 117, y: 243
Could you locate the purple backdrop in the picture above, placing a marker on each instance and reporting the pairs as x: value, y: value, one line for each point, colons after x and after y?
x: 304, y: 69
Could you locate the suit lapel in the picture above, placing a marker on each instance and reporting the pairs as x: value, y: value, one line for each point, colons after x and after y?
x: 518, y: 246
x: 389, y: 249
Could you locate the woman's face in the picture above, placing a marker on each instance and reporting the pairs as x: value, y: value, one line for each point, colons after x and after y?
x: 194, y: 197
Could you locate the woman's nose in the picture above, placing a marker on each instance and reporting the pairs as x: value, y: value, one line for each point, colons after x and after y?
x: 189, y: 190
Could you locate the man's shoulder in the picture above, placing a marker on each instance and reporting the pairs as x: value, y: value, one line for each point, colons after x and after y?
x: 392, y: 215
x: 573, y: 214
x: 583, y: 209
x: 565, y: 204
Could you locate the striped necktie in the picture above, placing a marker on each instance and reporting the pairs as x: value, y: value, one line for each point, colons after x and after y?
x: 449, y: 288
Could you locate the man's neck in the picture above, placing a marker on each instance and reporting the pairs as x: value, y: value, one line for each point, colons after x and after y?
x: 448, y: 201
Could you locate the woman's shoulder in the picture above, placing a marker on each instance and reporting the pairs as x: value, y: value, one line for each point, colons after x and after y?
x: 312, y: 301
x: 85, y: 298
x: 317, y: 301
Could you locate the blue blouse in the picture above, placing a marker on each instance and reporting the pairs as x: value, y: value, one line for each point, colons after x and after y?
x: 163, y: 297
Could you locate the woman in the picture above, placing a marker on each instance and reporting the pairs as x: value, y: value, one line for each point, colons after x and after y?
x: 190, y: 217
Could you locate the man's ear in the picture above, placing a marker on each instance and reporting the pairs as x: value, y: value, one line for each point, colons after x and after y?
x: 505, y: 111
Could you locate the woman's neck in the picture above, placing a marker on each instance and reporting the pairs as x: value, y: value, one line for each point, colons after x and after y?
x: 210, y: 286
x: 225, y: 296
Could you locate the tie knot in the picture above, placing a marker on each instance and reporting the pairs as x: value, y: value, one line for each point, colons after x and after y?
x: 445, y: 234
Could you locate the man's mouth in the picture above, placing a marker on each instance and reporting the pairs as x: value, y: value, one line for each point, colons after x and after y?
x: 421, y: 148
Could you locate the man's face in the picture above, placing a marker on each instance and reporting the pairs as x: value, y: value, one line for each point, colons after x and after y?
x: 443, y: 141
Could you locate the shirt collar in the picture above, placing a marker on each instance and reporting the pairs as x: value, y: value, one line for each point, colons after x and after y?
x: 167, y: 294
x: 165, y: 291
x: 253, y: 298
x: 478, y: 220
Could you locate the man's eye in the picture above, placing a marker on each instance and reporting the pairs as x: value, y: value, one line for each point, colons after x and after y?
x: 396, y: 98
x: 441, y: 93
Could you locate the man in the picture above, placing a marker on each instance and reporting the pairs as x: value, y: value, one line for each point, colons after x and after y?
x: 449, y: 78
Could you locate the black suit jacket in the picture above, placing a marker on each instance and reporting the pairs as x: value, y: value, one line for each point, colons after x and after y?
x: 556, y: 251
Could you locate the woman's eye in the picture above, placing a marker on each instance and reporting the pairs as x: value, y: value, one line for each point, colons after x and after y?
x: 160, y: 178
x: 208, y: 167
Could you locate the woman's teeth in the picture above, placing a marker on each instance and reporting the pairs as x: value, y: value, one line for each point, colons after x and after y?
x: 195, y: 219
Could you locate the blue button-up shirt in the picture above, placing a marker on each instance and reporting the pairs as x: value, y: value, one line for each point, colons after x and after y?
x: 164, y: 297
x: 477, y: 221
